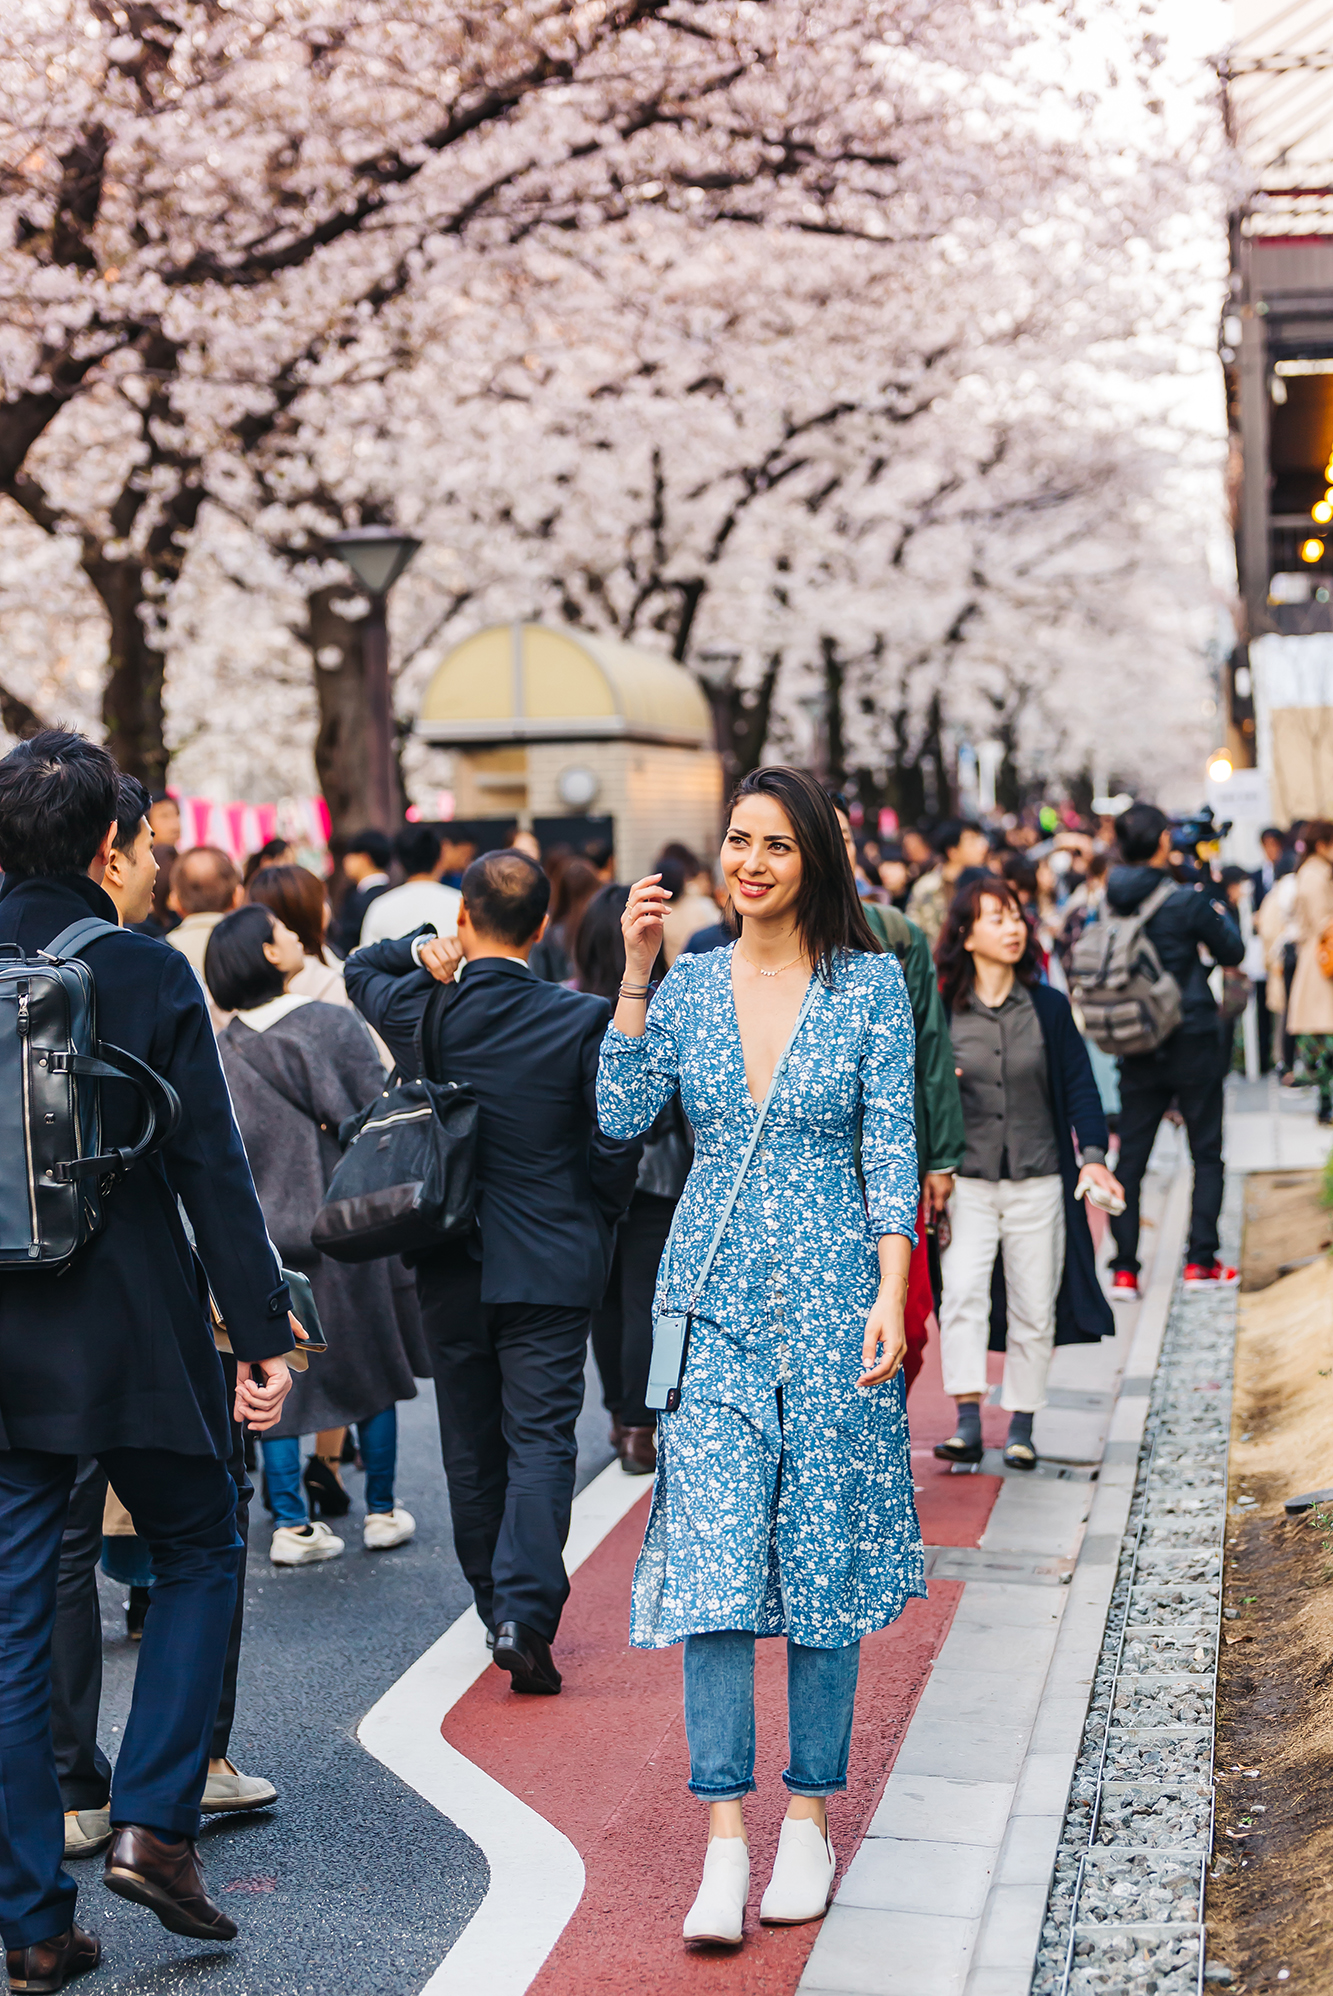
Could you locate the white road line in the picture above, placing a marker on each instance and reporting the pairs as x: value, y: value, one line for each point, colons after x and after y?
x: 536, y: 1873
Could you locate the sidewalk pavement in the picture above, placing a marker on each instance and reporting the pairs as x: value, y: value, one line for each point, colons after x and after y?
x: 947, y: 1893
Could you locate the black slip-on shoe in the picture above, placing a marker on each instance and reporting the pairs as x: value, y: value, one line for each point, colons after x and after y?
x: 957, y: 1450
x: 527, y: 1657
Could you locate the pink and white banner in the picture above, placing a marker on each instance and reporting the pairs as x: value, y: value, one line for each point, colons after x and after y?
x: 240, y: 829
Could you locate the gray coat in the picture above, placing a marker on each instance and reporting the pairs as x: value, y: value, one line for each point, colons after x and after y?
x: 292, y: 1085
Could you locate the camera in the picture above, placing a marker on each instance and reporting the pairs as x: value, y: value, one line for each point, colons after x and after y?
x: 1189, y: 834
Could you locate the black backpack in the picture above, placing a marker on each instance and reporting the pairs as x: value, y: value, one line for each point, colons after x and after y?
x: 54, y: 1174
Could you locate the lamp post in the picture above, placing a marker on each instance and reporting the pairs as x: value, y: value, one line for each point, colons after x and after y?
x: 377, y: 557
x: 717, y: 669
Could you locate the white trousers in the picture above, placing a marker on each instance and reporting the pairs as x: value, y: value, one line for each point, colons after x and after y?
x: 1025, y: 1217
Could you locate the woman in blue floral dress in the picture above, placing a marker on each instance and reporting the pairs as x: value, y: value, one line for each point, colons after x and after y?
x: 783, y: 1502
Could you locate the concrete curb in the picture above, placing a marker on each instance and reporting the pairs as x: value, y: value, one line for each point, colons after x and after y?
x: 1005, y: 1953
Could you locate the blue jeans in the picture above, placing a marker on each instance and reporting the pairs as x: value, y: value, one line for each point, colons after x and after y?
x: 377, y: 1439
x: 719, y: 1715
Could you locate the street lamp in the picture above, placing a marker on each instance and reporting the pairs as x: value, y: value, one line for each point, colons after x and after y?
x: 377, y: 557
x: 717, y: 669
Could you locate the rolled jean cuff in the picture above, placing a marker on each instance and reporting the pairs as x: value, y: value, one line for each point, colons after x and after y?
x: 732, y: 1794
x: 815, y: 1790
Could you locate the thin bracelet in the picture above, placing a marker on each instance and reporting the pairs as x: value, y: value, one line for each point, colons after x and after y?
x: 634, y: 991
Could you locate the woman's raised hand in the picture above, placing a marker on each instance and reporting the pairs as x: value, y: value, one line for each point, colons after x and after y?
x: 641, y: 926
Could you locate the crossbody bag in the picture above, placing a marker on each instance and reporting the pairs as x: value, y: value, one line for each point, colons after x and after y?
x: 671, y: 1328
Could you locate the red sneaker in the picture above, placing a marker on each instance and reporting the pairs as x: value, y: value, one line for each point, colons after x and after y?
x: 1124, y: 1286
x: 1202, y: 1275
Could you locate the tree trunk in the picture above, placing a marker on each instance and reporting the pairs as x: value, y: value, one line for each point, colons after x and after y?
x: 136, y: 668
x: 342, y: 757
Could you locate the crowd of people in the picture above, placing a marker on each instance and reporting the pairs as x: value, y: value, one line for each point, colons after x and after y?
x: 754, y: 1125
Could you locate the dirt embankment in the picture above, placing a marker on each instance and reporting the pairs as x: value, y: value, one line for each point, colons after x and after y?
x: 1270, y: 1896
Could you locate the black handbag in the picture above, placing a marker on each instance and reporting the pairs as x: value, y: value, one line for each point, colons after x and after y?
x: 407, y: 1181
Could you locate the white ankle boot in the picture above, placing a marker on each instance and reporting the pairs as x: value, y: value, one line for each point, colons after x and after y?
x: 802, y: 1881
x: 718, y: 1914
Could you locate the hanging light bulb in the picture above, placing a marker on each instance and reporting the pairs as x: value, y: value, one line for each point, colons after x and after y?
x: 1311, y: 550
x: 1322, y: 511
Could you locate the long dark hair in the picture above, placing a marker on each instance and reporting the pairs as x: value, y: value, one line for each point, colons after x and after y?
x: 829, y: 915
x: 954, y: 961
x: 599, y: 945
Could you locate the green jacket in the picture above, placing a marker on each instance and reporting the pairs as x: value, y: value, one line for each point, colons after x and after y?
x: 939, y: 1107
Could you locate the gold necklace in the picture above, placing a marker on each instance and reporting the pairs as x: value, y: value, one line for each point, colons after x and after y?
x: 770, y: 973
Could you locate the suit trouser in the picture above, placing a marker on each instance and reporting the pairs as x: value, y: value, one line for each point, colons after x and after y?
x: 622, y: 1329
x: 1025, y: 1219
x: 76, y: 1646
x: 185, y: 1507
x: 1187, y: 1070
x: 509, y: 1389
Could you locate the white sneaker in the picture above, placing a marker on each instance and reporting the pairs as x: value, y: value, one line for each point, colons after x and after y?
x: 383, y: 1529
x: 233, y: 1790
x: 86, y: 1830
x: 304, y: 1545
x: 802, y: 1881
x: 718, y: 1913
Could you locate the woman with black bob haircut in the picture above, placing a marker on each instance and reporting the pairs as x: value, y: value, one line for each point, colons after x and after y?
x: 783, y: 1503
x: 1025, y: 1079
x: 298, y: 1068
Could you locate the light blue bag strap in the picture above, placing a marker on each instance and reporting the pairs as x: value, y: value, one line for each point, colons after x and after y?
x: 706, y: 1267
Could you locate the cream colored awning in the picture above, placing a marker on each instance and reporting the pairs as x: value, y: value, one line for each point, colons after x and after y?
x: 548, y: 682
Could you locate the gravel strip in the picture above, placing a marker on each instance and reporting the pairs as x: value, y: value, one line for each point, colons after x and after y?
x: 1125, y: 1912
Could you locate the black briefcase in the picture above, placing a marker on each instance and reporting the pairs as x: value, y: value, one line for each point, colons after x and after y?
x: 407, y: 1181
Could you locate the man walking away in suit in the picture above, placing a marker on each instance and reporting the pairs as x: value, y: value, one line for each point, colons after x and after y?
x: 366, y: 864
x: 507, y: 1316
x: 113, y: 1357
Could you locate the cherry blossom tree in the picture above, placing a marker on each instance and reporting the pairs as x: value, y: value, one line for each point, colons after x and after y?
x: 715, y: 324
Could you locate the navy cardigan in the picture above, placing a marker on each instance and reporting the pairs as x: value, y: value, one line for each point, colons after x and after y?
x: 1082, y: 1313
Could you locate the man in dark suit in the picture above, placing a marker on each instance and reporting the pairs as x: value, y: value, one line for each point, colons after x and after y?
x: 507, y: 1317
x: 366, y: 864
x: 113, y: 1357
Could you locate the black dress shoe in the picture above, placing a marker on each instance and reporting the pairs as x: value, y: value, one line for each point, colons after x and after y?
x: 48, y: 1965
x: 165, y: 1877
x: 957, y: 1450
x: 527, y: 1658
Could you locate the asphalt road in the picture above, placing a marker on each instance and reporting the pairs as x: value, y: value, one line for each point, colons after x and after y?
x: 352, y: 1883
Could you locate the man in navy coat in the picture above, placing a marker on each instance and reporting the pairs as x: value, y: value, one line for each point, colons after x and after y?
x: 114, y: 1357
x: 507, y: 1317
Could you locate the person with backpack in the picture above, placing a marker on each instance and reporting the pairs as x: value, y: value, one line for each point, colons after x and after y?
x: 1139, y: 979
x: 106, y: 1349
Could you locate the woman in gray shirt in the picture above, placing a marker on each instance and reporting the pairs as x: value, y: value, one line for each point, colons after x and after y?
x: 1012, y: 1061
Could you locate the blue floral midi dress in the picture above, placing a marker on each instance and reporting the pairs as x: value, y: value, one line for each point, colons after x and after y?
x: 786, y: 1513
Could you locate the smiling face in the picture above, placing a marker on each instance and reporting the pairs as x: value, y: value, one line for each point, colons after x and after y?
x: 999, y: 934
x: 761, y: 862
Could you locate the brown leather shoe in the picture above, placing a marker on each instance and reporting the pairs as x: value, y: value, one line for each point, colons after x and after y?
x: 167, y: 1878
x: 47, y: 1965
x: 637, y: 1449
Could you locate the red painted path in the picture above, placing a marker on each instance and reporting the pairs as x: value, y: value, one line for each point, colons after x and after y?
x: 607, y: 1761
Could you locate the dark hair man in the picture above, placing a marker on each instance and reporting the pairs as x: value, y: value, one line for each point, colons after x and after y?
x: 365, y: 862
x: 131, y: 869
x: 958, y: 844
x: 164, y: 815
x: 1188, y: 1067
x: 114, y: 1358
x: 508, y: 1327
x: 422, y: 898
